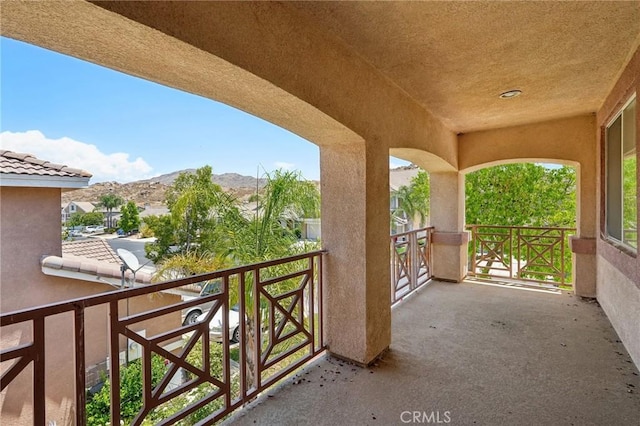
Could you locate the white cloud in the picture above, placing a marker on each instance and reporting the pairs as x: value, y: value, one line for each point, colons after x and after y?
x: 80, y: 155
x: 283, y: 165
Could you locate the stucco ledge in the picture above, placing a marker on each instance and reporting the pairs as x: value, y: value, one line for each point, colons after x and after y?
x: 450, y: 238
x: 582, y: 245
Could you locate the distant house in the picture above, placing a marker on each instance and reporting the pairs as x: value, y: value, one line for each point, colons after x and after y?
x: 398, y: 178
x: 36, y: 269
x: 153, y: 211
x: 311, y: 229
x: 76, y: 207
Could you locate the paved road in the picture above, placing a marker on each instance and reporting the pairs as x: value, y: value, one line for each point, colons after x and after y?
x: 134, y: 246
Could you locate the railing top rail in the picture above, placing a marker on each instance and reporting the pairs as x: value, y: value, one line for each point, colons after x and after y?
x: 27, y: 314
x: 401, y: 234
x: 520, y: 227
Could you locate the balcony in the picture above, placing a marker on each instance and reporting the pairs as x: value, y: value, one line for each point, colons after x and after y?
x: 523, y: 253
x: 472, y: 353
x: 280, y: 300
x: 475, y: 352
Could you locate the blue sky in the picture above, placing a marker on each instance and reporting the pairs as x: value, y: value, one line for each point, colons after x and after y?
x: 123, y: 128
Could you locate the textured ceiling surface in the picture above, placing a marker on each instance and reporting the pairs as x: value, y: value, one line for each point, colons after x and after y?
x: 455, y: 58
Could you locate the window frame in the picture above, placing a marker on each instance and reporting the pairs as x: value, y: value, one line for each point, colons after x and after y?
x: 616, y: 188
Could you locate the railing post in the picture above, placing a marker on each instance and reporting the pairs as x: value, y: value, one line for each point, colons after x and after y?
x: 114, y: 369
x: 243, y: 336
x: 81, y: 398
x: 413, y: 260
x: 39, y: 401
x: 257, y: 331
x: 474, y: 249
x: 394, y: 279
x: 562, y: 270
x: 518, y: 253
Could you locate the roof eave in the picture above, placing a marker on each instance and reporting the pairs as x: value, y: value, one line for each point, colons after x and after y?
x: 83, y: 276
x: 43, y: 181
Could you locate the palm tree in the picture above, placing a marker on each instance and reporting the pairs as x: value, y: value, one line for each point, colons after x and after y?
x: 285, y: 196
x: 110, y: 201
x: 266, y: 236
x: 406, y: 207
x: 413, y: 200
x: 196, y: 203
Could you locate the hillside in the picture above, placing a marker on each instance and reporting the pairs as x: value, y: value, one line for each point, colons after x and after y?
x: 152, y: 191
x: 225, y: 180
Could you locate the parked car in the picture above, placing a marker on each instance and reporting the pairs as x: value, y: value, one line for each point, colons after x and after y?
x: 191, y: 315
x: 215, y: 325
x: 198, y: 313
x: 93, y: 229
x: 122, y: 234
x: 75, y: 233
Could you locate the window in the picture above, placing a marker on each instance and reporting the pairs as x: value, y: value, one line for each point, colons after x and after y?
x: 621, y: 166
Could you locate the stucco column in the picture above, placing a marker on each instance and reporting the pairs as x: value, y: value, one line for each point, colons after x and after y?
x: 449, y: 250
x: 583, y: 245
x: 355, y: 232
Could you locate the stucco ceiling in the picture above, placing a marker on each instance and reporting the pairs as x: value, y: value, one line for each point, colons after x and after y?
x: 452, y: 59
x: 456, y: 58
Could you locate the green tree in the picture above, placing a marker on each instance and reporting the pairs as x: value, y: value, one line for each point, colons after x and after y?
x: 85, y: 219
x: 220, y: 235
x: 630, y: 201
x: 265, y: 236
x: 130, y: 218
x: 522, y: 194
x: 413, y: 200
x: 186, y: 264
x: 198, y: 210
x: 110, y: 201
x: 162, y: 230
x: 286, y: 196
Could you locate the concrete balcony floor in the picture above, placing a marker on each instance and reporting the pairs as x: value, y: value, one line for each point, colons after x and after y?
x: 474, y: 354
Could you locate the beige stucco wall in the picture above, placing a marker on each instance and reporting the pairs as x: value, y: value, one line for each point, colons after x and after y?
x: 449, y: 243
x: 30, y: 228
x: 619, y: 270
x: 570, y: 141
x: 619, y: 296
x: 355, y: 231
x: 248, y: 55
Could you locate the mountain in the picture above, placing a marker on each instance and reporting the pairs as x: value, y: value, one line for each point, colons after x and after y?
x: 152, y: 191
x: 225, y: 180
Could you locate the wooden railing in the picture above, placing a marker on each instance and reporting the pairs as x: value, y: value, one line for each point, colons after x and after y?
x: 410, y: 262
x: 519, y: 252
x: 280, y: 301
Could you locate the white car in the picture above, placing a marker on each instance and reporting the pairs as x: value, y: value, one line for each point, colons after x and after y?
x: 191, y: 315
x: 215, y: 325
x: 94, y: 229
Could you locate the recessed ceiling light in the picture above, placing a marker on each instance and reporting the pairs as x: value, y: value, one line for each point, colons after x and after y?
x: 510, y: 94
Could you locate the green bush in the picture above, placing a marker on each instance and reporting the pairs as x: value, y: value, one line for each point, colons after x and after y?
x: 99, y: 405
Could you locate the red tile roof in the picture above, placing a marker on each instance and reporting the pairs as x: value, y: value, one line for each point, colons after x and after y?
x: 26, y: 164
x: 92, y: 256
x: 92, y: 248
